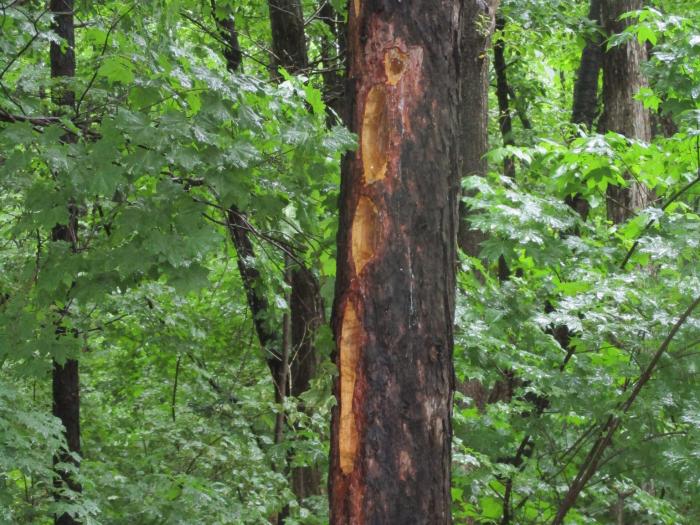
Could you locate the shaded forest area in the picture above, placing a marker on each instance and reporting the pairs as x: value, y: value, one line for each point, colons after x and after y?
x: 370, y: 262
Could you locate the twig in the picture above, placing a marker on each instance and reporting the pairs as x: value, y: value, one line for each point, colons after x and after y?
x: 591, y: 463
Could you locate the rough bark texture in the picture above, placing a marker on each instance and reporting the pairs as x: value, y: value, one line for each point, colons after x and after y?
x: 393, y: 315
x: 622, y: 80
x: 65, y: 377
x: 288, y: 36
x: 585, y: 107
x: 477, y: 26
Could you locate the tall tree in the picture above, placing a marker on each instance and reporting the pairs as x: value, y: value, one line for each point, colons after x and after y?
x: 292, y: 371
x: 394, y: 306
x: 622, y: 113
x: 585, y: 106
x: 66, y: 379
x: 477, y: 26
x: 585, y: 103
x: 505, y: 119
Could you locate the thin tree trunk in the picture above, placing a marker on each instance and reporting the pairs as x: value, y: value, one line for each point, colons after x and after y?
x: 505, y: 119
x: 289, y: 46
x: 622, y: 80
x: 395, y: 288
x: 306, y: 309
x: 65, y: 376
x: 333, y: 58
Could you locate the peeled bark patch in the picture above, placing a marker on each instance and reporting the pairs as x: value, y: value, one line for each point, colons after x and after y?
x: 394, y: 65
x: 350, y: 345
x: 390, y: 435
x: 365, y: 233
x: 375, y: 134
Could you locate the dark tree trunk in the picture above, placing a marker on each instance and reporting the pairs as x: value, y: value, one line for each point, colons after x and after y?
x: 257, y: 302
x: 505, y: 119
x: 306, y: 307
x: 333, y: 58
x: 232, y: 49
x: 288, y: 36
x: 291, y: 372
x: 477, y: 26
x: 65, y: 377
x: 306, y: 310
x: 395, y: 288
x: 622, y: 80
x: 585, y: 107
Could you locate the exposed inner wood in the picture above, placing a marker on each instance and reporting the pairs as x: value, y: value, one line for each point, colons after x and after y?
x: 351, y: 336
x: 394, y: 65
x: 358, y: 6
x: 365, y: 233
x: 375, y: 135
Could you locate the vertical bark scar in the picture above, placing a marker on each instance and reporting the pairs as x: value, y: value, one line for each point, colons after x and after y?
x: 358, y: 6
x: 351, y: 336
x: 375, y: 134
x: 394, y: 65
x: 365, y: 233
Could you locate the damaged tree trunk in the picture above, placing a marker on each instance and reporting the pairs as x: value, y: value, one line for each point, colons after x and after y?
x: 65, y: 376
x: 395, y: 288
x: 622, y: 80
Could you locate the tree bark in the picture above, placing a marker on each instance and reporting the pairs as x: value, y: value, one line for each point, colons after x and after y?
x: 505, y: 119
x: 395, y: 289
x: 622, y: 80
x: 477, y: 27
x: 333, y: 58
x: 585, y: 106
x: 288, y: 36
x: 65, y: 377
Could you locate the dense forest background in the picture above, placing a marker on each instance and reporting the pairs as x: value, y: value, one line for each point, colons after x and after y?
x: 169, y: 185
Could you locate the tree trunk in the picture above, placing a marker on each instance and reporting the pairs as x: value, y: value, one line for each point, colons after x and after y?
x: 505, y: 120
x: 622, y: 80
x: 585, y: 107
x: 306, y: 311
x: 306, y: 308
x: 333, y: 59
x: 477, y: 26
x: 395, y: 288
x: 65, y: 380
x: 288, y: 36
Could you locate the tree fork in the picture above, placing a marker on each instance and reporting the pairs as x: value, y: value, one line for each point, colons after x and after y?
x: 394, y: 305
